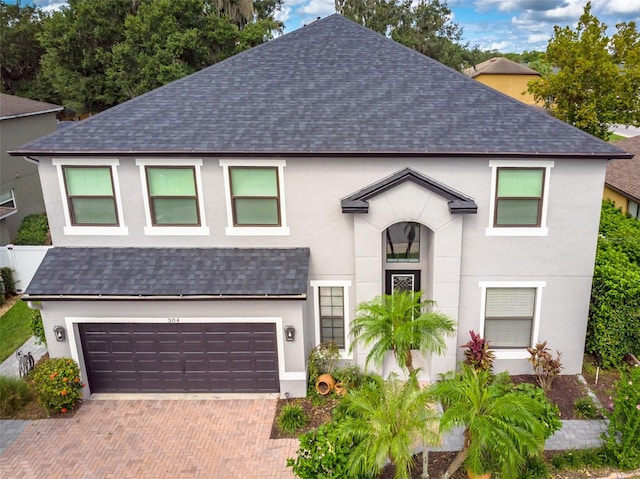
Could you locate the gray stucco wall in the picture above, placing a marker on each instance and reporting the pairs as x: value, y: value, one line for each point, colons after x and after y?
x: 19, y: 174
x: 70, y: 313
x: 563, y: 259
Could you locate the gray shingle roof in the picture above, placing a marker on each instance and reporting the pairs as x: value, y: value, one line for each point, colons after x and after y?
x: 500, y: 66
x: 172, y: 272
x: 12, y: 106
x: 332, y: 87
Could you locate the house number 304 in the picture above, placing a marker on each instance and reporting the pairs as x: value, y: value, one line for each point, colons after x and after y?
x: 174, y: 320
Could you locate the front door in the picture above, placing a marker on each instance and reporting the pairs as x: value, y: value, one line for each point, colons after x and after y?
x: 402, y: 280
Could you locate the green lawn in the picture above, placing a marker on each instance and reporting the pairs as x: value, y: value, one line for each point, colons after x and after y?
x: 614, y: 137
x: 15, y: 329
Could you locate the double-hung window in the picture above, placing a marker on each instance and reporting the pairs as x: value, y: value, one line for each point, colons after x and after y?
x: 173, y: 200
x: 520, y: 198
x: 90, y: 196
x: 510, y: 315
x: 332, y: 313
x: 255, y: 197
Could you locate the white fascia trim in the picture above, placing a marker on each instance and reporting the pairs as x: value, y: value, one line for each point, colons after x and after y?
x: 76, y: 352
x: 149, y: 229
x: 345, y: 284
x: 72, y: 230
x: 230, y: 229
x: 542, y: 230
x: 513, y: 353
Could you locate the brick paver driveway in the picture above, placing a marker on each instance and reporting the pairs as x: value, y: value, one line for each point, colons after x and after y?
x: 153, y: 439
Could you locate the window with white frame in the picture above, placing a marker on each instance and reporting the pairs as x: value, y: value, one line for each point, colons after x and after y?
x: 331, y: 300
x: 173, y: 200
x: 510, y: 315
x: 633, y: 209
x: 520, y: 191
x: 255, y: 197
x: 90, y: 196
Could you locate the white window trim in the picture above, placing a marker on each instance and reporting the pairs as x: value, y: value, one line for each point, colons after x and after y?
x: 151, y: 230
x: 284, y: 375
x: 230, y: 229
x: 541, y: 230
x: 516, y: 353
x: 70, y: 229
x: 316, y: 285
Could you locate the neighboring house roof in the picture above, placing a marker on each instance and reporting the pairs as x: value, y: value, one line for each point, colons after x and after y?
x: 624, y: 176
x: 332, y: 88
x: 500, y: 66
x: 12, y: 106
x: 458, y: 202
x: 136, y: 273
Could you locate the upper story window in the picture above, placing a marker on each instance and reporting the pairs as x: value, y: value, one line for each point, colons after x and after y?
x: 174, y: 204
x: 255, y: 197
x: 520, y: 198
x: 173, y: 199
x: 403, y: 243
x: 511, y: 316
x: 7, y: 203
x: 90, y: 196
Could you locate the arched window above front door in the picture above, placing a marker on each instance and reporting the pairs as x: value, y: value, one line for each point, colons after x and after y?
x: 403, y: 242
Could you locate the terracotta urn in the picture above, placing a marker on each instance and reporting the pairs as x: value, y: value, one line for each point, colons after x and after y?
x: 325, y: 384
x: 473, y: 475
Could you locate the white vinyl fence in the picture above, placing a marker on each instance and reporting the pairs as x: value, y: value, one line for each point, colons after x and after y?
x: 24, y: 261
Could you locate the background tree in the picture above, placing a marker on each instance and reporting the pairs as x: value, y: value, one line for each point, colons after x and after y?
x: 425, y: 25
x: 20, y: 48
x: 78, y: 41
x: 401, y: 322
x: 594, y: 86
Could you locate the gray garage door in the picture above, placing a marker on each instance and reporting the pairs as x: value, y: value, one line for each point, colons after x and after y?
x: 183, y: 357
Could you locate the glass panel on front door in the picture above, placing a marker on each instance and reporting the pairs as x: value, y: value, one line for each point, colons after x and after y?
x: 402, y: 280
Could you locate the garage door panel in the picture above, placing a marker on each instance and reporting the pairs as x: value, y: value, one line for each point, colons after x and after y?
x: 194, y: 357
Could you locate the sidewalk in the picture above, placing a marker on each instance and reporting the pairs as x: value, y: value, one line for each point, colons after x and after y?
x: 9, y: 366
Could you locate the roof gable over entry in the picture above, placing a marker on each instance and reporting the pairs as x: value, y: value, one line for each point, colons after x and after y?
x: 332, y: 88
x: 458, y: 203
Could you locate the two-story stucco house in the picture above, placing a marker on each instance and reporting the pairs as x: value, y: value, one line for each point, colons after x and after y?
x: 507, y: 76
x: 209, y: 233
x: 21, y: 120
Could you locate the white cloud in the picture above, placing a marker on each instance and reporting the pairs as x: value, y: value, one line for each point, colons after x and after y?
x: 625, y: 7
x: 319, y: 8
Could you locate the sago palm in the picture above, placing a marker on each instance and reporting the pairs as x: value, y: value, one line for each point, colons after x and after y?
x: 387, y: 419
x: 502, y: 428
x: 400, y: 322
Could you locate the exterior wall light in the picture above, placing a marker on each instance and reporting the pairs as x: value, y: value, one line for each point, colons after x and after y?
x: 59, y: 333
x: 289, y: 333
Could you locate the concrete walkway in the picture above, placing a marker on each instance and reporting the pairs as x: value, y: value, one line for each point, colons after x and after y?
x: 9, y: 366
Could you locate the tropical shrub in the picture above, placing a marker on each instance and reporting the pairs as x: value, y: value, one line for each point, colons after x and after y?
x: 548, y: 414
x: 623, y: 436
x: 350, y: 376
x: 502, y: 429
x: 386, y: 420
x: 8, y: 283
x: 545, y: 366
x: 614, y: 313
x: 292, y: 418
x: 585, y: 408
x: 15, y: 393
x: 477, y: 353
x: 37, y: 327
x: 324, y: 452
x: 33, y: 230
x: 58, y: 385
x: 322, y: 360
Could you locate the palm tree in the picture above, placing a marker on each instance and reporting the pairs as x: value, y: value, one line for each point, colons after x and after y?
x: 387, y: 419
x: 502, y: 428
x: 400, y: 322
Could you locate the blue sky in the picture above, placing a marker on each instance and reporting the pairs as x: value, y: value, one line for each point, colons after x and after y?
x: 503, y: 25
